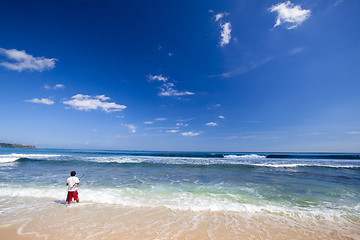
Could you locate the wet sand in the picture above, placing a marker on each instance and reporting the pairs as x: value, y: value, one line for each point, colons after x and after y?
x: 96, y: 221
x: 10, y: 233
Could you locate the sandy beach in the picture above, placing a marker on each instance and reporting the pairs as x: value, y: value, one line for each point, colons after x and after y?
x: 97, y: 221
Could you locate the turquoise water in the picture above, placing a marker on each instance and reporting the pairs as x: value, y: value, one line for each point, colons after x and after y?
x: 316, y: 185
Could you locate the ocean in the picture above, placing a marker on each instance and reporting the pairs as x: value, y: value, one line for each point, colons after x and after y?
x: 296, y: 187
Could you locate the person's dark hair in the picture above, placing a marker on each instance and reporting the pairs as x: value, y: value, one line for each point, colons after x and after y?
x: 73, y: 173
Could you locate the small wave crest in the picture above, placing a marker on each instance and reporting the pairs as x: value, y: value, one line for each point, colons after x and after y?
x: 246, y: 156
x: 315, y: 156
x: 7, y: 158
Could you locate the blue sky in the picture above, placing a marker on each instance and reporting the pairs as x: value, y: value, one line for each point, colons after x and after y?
x: 181, y: 75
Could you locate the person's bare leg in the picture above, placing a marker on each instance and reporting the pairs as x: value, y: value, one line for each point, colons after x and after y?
x: 77, y: 200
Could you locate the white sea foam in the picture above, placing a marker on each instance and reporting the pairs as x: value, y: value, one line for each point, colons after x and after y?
x: 184, y: 201
x: 5, y: 158
x: 294, y: 165
x: 251, y: 160
x: 155, y: 159
x: 245, y: 157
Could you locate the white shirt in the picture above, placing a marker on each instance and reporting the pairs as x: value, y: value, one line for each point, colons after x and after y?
x: 71, y: 182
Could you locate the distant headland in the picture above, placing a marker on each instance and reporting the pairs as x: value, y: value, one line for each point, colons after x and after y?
x: 9, y: 145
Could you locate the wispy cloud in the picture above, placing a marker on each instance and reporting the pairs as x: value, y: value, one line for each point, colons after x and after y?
x: 211, y: 124
x: 20, y: 60
x: 191, y: 134
x: 167, y: 88
x: 57, y: 86
x: 132, y: 127
x: 296, y: 50
x: 157, y: 119
x: 338, y: 2
x: 160, y: 119
x: 222, y: 117
x: 86, y: 103
x: 289, y: 14
x: 46, y: 101
x: 353, y: 132
x: 182, y: 124
x: 172, y: 131
x: 160, y: 128
x: 244, y: 69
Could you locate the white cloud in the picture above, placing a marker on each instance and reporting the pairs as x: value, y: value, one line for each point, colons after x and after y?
x: 160, y: 119
x: 172, y: 131
x: 131, y: 127
x: 222, y: 117
x: 20, y: 60
x: 225, y: 33
x: 57, y: 86
x: 182, y: 124
x: 161, y: 128
x: 215, y: 105
x: 170, y: 54
x: 86, y: 103
x: 211, y: 124
x: 191, y: 134
x: 166, y: 89
x: 46, y: 101
x: 158, y: 78
x: 157, y: 119
x: 290, y: 14
x: 219, y: 16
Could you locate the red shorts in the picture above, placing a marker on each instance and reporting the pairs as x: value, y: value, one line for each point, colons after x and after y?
x: 72, y: 195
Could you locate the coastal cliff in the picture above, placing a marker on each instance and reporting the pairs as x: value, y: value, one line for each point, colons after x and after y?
x: 9, y: 145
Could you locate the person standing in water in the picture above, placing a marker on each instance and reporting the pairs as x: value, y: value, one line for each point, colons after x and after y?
x: 72, y: 183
